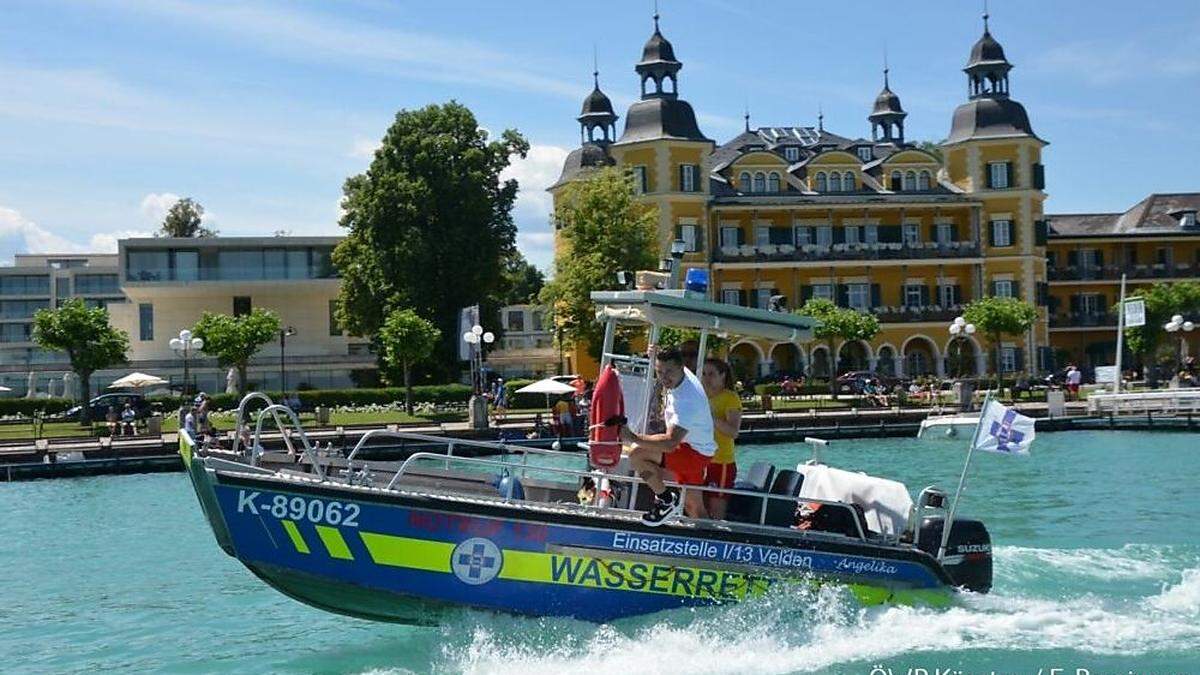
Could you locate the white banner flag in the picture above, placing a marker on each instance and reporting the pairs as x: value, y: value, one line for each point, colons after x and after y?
x: 1002, y: 430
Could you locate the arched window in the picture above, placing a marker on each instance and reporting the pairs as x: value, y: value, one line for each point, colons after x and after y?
x: 744, y: 179
x: 910, y: 181
x: 848, y: 182
x: 760, y: 182
x: 897, y: 185
x: 923, y: 182
x: 773, y: 182
x: 822, y: 186
x: 835, y: 182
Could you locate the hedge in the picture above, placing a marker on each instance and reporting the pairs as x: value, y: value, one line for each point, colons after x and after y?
x: 26, y: 407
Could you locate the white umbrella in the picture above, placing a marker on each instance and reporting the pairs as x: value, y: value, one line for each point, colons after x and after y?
x: 137, y: 381
x: 547, y: 386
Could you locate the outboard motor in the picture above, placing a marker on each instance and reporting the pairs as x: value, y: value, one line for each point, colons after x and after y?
x: 968, y: 558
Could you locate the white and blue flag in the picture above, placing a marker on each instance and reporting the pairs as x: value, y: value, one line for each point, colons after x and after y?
x: 1002, y: 430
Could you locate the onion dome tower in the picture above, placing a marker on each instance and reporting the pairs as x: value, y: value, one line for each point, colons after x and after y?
x: 989, y: 112
x: 597, y: 121
x: 660, y: 113
x: 887, y: 116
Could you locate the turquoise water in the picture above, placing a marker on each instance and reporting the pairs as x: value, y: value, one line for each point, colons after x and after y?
x: 1097, y: 567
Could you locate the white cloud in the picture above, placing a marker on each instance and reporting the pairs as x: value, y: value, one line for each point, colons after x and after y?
x: 397, y: 53
x: 156, y: 204
x: 1103, y: 63
x: 19, y: 234
x: 538, y: 171
x: 106, y: 242
x: 364, y: 148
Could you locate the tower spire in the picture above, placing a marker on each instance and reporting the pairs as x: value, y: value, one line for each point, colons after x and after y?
x: 746, y: 115
x: 820, y: 118
x: 595, y: 67
x: 885, y: 66
x: 985, y: 16
x: 655, y: 16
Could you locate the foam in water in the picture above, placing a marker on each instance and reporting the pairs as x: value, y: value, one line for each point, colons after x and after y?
x: 1131, y: 561
x: 802, y: 630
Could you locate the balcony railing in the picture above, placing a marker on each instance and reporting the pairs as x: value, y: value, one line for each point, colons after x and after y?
x: 814, y: 252
x: 917, y: 314
x: 1114, y: 272
x: 1082, y: 320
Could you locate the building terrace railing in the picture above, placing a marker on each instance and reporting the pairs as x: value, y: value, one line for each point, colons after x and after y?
x: 1082, y: 319
x: 815, y: 252
x: 1114, y: 272
x: 917, y: 314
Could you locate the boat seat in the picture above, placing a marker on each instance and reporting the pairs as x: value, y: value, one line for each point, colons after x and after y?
x: 781, y: 512
x: 744, y: 508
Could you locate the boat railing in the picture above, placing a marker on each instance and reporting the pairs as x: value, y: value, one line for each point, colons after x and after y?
x: 634, y: 482
x: 503, y: 448
x: 274, y: 411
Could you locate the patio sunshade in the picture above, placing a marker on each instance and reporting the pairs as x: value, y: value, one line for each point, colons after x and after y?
x: 547, y: 386
x: 137, y: 381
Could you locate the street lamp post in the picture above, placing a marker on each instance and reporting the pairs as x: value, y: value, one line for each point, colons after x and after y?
x: 1177, y: 326
x: 284, y: 334
x: 959, y: 330
x: 476, y: 338
x: 185, y: 346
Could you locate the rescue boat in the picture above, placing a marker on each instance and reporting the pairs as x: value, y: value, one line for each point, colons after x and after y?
x: 517, y: 530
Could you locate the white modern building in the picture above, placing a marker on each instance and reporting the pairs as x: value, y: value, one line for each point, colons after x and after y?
x: 155, y: 287
x: 526, y: 348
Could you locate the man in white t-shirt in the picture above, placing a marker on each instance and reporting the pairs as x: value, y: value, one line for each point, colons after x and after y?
x: 686, y: 447
x: 1074, y: 379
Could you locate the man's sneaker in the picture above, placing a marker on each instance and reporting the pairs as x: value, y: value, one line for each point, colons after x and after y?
x: 666, y: 506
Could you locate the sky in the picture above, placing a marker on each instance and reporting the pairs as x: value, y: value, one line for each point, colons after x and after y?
x: 111, y: 110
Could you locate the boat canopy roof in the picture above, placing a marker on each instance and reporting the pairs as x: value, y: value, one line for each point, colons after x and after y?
x: 673, y: 308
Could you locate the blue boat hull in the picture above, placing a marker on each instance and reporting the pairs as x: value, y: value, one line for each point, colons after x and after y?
x: 407, y: 558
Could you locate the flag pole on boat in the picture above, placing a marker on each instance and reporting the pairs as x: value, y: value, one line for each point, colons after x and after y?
x: 987, y: 399
x: 1120, y: 336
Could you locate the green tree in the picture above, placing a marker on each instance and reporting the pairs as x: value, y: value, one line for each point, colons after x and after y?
x: 604, y: 229
x: 184, y: 219
x: 1162, y: 302
x: 933, y: 148
x: 429, y: 223
x: 838, y: 323
x: 405, y: 340
x: 85, y: 335
x: 235, y: 339
x: 522, y: 281
x: 997, y: 317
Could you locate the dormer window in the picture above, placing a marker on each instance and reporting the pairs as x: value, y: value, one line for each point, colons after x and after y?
x: 1187, y: 220
x: 864, y: 153
x: 792, y: 153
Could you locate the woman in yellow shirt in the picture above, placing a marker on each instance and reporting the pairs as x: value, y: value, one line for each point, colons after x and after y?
x: 727, y: 418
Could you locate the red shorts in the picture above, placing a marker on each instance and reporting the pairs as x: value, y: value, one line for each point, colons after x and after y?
x: 720, y: 475
x: 688, y: 465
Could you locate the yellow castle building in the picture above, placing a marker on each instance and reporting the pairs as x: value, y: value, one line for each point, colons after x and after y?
x: 911, y: 234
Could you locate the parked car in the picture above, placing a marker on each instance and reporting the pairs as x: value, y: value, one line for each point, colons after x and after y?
x: 853, y: 381
x: 101, y: 403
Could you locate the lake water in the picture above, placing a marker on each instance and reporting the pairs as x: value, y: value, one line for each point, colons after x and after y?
x: 1097, y: 567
